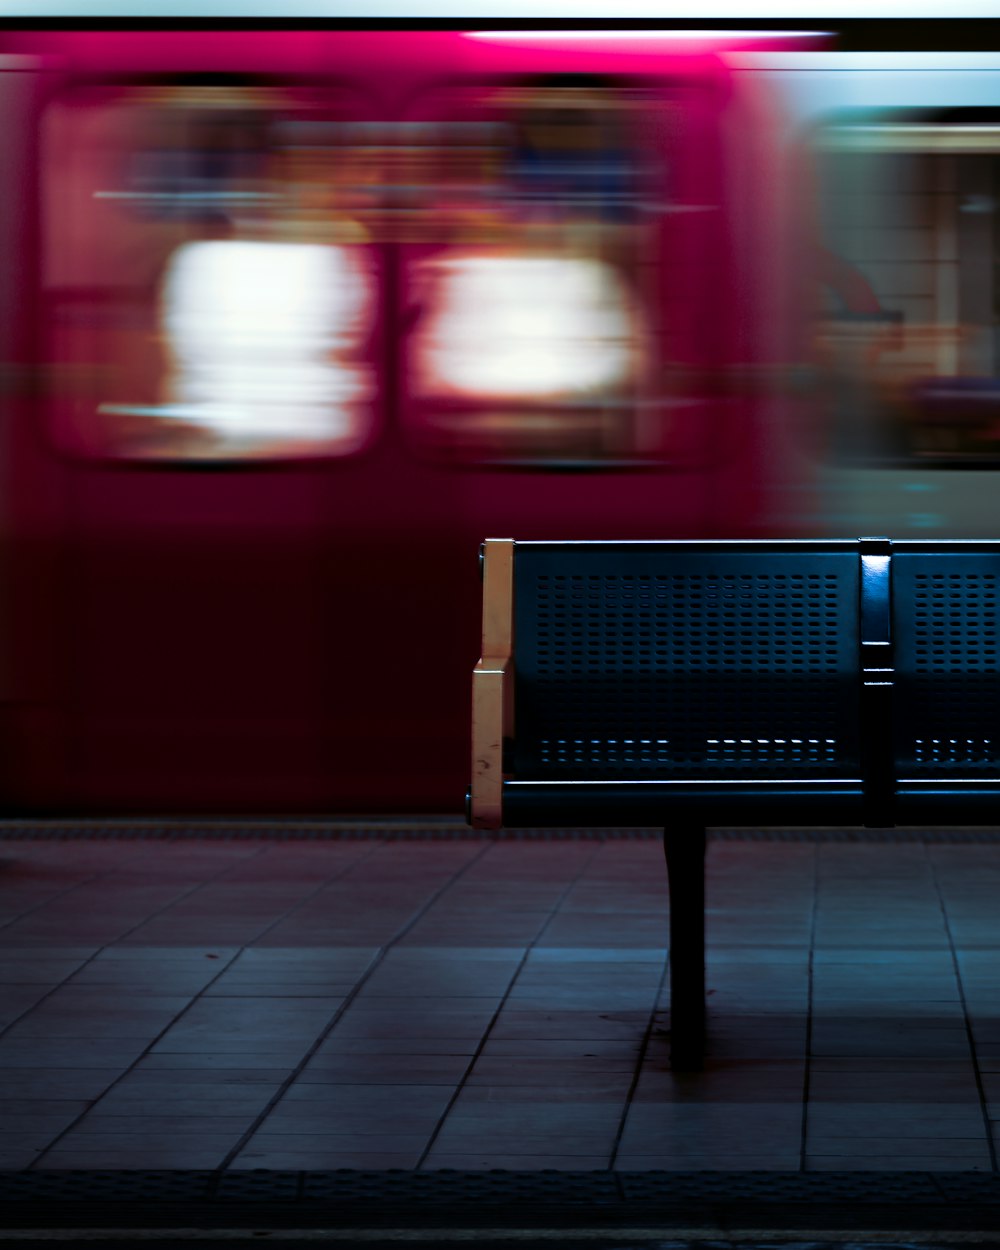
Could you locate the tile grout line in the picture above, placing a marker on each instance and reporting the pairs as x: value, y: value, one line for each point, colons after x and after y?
x: 52, y: 898
x: 463, y: 1080
x: 342, y: 1010
x: 121, y: 1075
x: 221, y: 874
x: 977, y: 1071
x: 178, y: 898
x: 810, y: 1003
x: 647, y: 1038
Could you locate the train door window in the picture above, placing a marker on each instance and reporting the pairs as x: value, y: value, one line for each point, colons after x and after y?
x: 210, y: 280
x: 909, y: 268
x: 535, y: 271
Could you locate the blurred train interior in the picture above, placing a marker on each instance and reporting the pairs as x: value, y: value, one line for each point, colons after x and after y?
x: 291, y: 319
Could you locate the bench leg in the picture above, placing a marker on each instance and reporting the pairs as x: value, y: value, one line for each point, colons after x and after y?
x: 684, y: 846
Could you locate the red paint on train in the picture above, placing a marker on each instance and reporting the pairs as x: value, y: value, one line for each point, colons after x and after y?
x: 195, y: 629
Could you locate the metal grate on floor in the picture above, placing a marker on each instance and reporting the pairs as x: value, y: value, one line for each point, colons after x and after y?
x: 444, y: 829
x: 388, y: 1191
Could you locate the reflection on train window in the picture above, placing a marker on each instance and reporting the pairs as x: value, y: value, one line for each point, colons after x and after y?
x: 532, y: 275
x: 910, y: 334
x: 210, y: 286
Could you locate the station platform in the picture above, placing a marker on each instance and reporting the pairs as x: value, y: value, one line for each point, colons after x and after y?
x: 227, y: 1004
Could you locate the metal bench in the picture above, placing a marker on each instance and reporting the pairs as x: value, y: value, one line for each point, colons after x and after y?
x: 684, y: 684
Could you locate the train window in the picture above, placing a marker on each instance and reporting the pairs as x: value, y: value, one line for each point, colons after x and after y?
x: 520, y: 326
x: 535, y: 277
x: 209, y: 278
x: 910, y: 269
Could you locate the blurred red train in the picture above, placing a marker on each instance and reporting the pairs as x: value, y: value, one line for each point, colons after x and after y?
x: 291, y: 320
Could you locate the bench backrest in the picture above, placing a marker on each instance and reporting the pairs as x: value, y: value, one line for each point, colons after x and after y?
x: 644, y: 660
x: 947, y: 681
x: 857, y: 663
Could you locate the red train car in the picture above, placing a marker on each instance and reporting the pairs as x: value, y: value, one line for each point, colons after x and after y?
x: 293, y: 320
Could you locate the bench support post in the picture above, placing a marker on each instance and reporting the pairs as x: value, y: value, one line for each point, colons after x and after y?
x: 684, y: 846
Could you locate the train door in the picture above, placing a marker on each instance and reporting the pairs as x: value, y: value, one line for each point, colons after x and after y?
x: 569, y: 299
x: 212, y: 330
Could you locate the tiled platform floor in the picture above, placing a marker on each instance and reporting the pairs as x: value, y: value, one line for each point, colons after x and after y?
x: 428, y: 1002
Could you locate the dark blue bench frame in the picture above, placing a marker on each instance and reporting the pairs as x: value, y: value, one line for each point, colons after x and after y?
x: 685, y: 684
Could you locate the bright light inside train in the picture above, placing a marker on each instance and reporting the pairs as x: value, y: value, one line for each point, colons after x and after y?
x: 261, y: 335
x: 529, y: 327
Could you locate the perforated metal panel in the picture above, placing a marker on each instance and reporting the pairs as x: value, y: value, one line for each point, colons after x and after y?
x: 670, y: 660
x: 945, y: 609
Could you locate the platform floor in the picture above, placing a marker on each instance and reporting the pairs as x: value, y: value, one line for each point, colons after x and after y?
x: 401, y: 996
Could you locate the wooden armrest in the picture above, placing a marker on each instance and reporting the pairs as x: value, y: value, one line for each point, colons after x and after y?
x: 493, y: 685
